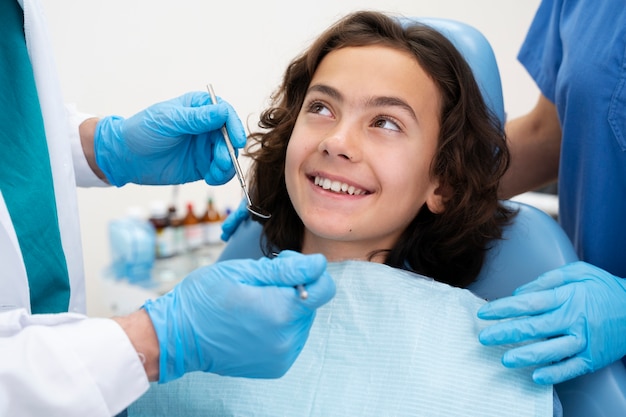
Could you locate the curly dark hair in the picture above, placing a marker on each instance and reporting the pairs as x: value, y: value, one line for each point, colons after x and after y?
x: 471, y: 156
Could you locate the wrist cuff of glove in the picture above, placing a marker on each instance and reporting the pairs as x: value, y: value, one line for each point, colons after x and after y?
x: 170, y: 363
x: 108, y: 144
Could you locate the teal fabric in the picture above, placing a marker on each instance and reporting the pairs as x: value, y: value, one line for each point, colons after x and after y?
x: 25, y: 172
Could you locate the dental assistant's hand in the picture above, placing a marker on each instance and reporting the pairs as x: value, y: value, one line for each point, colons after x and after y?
x: 234, y: 219
x: 240, y: 317
x: 575, y: 317
x: 172, y: 142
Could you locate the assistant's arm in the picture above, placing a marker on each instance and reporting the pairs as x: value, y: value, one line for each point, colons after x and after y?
x: 535, y: 144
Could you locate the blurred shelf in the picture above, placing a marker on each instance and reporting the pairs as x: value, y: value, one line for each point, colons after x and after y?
x: 123, y: 297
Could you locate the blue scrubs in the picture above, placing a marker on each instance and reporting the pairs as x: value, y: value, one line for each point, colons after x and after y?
x: 576, y: 53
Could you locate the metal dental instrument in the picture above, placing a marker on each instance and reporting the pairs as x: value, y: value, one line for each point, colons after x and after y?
x: 256, y: 210
x: 302, y: 292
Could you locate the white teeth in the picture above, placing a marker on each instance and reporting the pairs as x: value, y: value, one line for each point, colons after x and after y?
x: 337, y: 186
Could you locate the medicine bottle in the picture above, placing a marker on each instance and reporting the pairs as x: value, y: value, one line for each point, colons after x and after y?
x: 212, y: 224
x: 192, y: 229
x: 159, y: 217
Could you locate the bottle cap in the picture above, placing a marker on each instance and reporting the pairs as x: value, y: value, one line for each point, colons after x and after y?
x: 158, y: 208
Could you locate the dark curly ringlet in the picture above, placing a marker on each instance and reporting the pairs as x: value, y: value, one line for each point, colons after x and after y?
x: 471, y: 156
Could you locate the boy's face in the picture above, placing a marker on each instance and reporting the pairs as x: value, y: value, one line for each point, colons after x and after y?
x: 358, y: 161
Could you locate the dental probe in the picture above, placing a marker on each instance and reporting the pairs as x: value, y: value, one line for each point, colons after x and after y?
x: 256, y: 210
x: 302, y: 292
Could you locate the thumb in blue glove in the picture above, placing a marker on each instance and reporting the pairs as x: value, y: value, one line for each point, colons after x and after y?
x: 173, y: 142
x: 234, y: 219
x: 240, y: 317
x: 574, y: 318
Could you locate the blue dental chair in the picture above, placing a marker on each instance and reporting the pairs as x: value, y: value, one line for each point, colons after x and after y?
x: 532, y: 245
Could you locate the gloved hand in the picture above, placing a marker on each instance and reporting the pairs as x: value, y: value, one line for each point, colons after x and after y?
x: 579, y: 308
x: 234, y: 219
x: 240, y: 317
x: 172, y: 142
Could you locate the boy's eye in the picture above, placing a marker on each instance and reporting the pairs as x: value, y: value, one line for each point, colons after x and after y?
x: 319, y: 108
x: 386, y: 123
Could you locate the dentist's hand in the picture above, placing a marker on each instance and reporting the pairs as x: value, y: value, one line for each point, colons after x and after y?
x: 241, y: 317
x: 172, y: 142
x: 575, y: 317
x: 234, y: 219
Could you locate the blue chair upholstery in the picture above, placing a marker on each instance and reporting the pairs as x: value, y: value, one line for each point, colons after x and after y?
x: 533, y: 244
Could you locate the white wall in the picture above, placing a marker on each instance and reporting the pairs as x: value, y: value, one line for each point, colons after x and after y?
x: 119, y: 56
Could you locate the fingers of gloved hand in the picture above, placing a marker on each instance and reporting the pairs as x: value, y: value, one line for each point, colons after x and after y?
x: 524, y: 329
x: 208, y: 155
x: 197, y: 120
x: 222, y: 160
x: 572, y: 272
x: 522, y: 305
x: 282, y: 271
x: 319, y: 292
x: 235, y: 128
x: 308, y: 270
x: 562, y: 371
x: 222, y: 167
x: 543, y: 352
x: 217, y: 176
x: 194, y: 114
x: 290, y: 269
x: 234, y: 219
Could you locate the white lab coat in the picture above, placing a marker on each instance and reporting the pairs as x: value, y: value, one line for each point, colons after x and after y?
x: 60, y: 364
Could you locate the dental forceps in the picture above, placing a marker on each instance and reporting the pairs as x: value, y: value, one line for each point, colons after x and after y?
x: 254, y: 209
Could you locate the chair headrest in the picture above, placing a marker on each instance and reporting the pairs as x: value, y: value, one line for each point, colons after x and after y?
x: 477, y: 52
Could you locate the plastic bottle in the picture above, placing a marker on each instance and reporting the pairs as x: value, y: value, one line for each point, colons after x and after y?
x: 192, y: 229
x: 132, y: 239
x: 212, y: 224
x: 159, y: 217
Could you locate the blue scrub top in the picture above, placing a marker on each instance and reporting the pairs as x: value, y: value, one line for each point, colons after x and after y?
x: 576, y: 52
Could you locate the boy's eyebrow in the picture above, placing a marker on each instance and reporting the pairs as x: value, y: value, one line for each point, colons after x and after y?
x: 325, y: 89
x: 383, y: 101
x: 380, y: 101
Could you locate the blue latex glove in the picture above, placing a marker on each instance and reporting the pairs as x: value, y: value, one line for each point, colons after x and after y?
x: 575, y: 317
x: 240, y: 317
x: 234, y: 219
x: 172, y: 142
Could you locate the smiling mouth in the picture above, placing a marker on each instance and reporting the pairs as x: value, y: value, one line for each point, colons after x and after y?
x: 338, y: 186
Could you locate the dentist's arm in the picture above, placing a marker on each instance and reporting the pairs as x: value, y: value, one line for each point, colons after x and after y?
x: 173, y: 142
x: 239, y: 318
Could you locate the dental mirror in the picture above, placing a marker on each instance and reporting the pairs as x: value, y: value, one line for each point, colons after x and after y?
x: 256, y: 210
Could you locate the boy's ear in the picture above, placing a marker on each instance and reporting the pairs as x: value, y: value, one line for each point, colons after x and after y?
x: 436, y: 202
